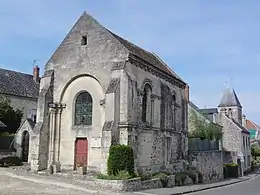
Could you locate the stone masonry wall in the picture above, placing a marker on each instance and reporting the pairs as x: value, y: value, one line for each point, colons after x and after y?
x: 209, y: 163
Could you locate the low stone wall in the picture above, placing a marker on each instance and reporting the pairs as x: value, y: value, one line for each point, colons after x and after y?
x: 127, y: 185
x: 209, y: 163
x: 133, y: 184
x: 6, y: 153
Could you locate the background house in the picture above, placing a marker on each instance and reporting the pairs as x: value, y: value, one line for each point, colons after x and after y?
x: 205, y: 154
x: 252, y: 128
x: 21, y: 90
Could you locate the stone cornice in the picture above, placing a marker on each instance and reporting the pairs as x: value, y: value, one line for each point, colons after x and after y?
x: 151, y: 69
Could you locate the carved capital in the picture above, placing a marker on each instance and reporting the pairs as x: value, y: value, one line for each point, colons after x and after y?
x: 153, y: 96
x: 52, y: 110
x: 102, y: 102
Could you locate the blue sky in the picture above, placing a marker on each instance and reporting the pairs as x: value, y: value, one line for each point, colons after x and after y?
x: 205, y: 42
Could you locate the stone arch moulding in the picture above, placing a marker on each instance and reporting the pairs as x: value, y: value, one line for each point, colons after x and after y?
x: 26, y: 126
x: 74, y: 88
x: 71, y: 81
x: 145, y: 82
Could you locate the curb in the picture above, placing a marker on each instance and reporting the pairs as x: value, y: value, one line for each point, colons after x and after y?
x: 212, y: 187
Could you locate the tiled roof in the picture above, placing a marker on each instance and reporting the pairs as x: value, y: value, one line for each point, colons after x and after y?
x: 229, y: 98
x: 251, y: 125
x: 18, y: 84
x: 149, y: 57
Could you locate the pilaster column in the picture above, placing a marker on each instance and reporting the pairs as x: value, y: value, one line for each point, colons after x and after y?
x: 52, y: 134
x: 57, y: 137
x: 152, y: 111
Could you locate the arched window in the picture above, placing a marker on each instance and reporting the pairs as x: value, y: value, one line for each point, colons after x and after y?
x: 146, y: 103
x: 83, y: 109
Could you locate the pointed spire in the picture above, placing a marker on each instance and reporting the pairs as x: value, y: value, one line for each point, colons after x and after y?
x: 229, y: 98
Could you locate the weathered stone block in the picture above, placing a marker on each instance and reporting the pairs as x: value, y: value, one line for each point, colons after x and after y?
x: 82, y: 170
x: 188, y: 181
x: 56, y: 168
x: 171, y: 181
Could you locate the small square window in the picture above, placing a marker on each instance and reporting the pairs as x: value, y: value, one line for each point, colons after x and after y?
x: 84, y: 40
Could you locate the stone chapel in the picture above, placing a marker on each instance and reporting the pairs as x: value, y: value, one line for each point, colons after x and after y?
x: 98, y: 89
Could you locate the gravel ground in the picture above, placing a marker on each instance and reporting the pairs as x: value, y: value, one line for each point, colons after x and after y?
x: 14, y: 183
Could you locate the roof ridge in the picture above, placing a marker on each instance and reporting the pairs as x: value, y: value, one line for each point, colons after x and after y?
x: 243, y: 129
x: 16, y: 71
x: 145, y: 55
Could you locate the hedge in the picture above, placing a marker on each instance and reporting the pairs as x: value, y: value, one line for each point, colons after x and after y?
x: 121, y: 158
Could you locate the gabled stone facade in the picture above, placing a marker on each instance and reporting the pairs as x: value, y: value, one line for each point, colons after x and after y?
x: 130, y: 97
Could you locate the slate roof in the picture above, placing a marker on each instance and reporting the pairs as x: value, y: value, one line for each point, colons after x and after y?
x: 149, y: 57
x: 194, y: 106
x: 229, y: 98
x: 209, y: 110
x: 18, y: 84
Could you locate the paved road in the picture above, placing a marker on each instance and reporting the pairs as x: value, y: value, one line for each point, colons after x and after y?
x: 11, y: 184
x: 250, y: 187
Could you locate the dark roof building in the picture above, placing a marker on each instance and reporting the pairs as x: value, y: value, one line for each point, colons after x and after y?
x: 19, y: 84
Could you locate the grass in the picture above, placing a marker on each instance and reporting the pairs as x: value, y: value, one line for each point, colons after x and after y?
x: 122, y: 175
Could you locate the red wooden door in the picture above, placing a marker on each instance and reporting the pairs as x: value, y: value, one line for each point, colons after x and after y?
x: 81, y: 152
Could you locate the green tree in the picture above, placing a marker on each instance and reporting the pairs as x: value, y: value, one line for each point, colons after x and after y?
x: 255, y: 151
x: 204, y: 129
x: 9, y: 116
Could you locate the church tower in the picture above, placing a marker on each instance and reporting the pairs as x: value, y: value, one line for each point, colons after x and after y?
x: 230, y: 105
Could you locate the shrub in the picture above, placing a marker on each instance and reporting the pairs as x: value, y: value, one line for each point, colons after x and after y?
x: 232, y: 164
x: 10, y: 161
x: 163, y: 178
x: 122, y: 175
x: 200, y: 177
x: 121, y: 158
x: 232, y: 170
x: 192, y: 175
x: 192, y: 168
x: 145, y: 177
x: 180, y: 178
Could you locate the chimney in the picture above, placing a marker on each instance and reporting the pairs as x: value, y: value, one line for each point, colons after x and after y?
x: 244, y: 120
x: 187, y: 93
x: 36, y: 73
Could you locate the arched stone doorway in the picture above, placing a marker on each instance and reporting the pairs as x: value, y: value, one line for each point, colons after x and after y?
x: 25, y: 146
